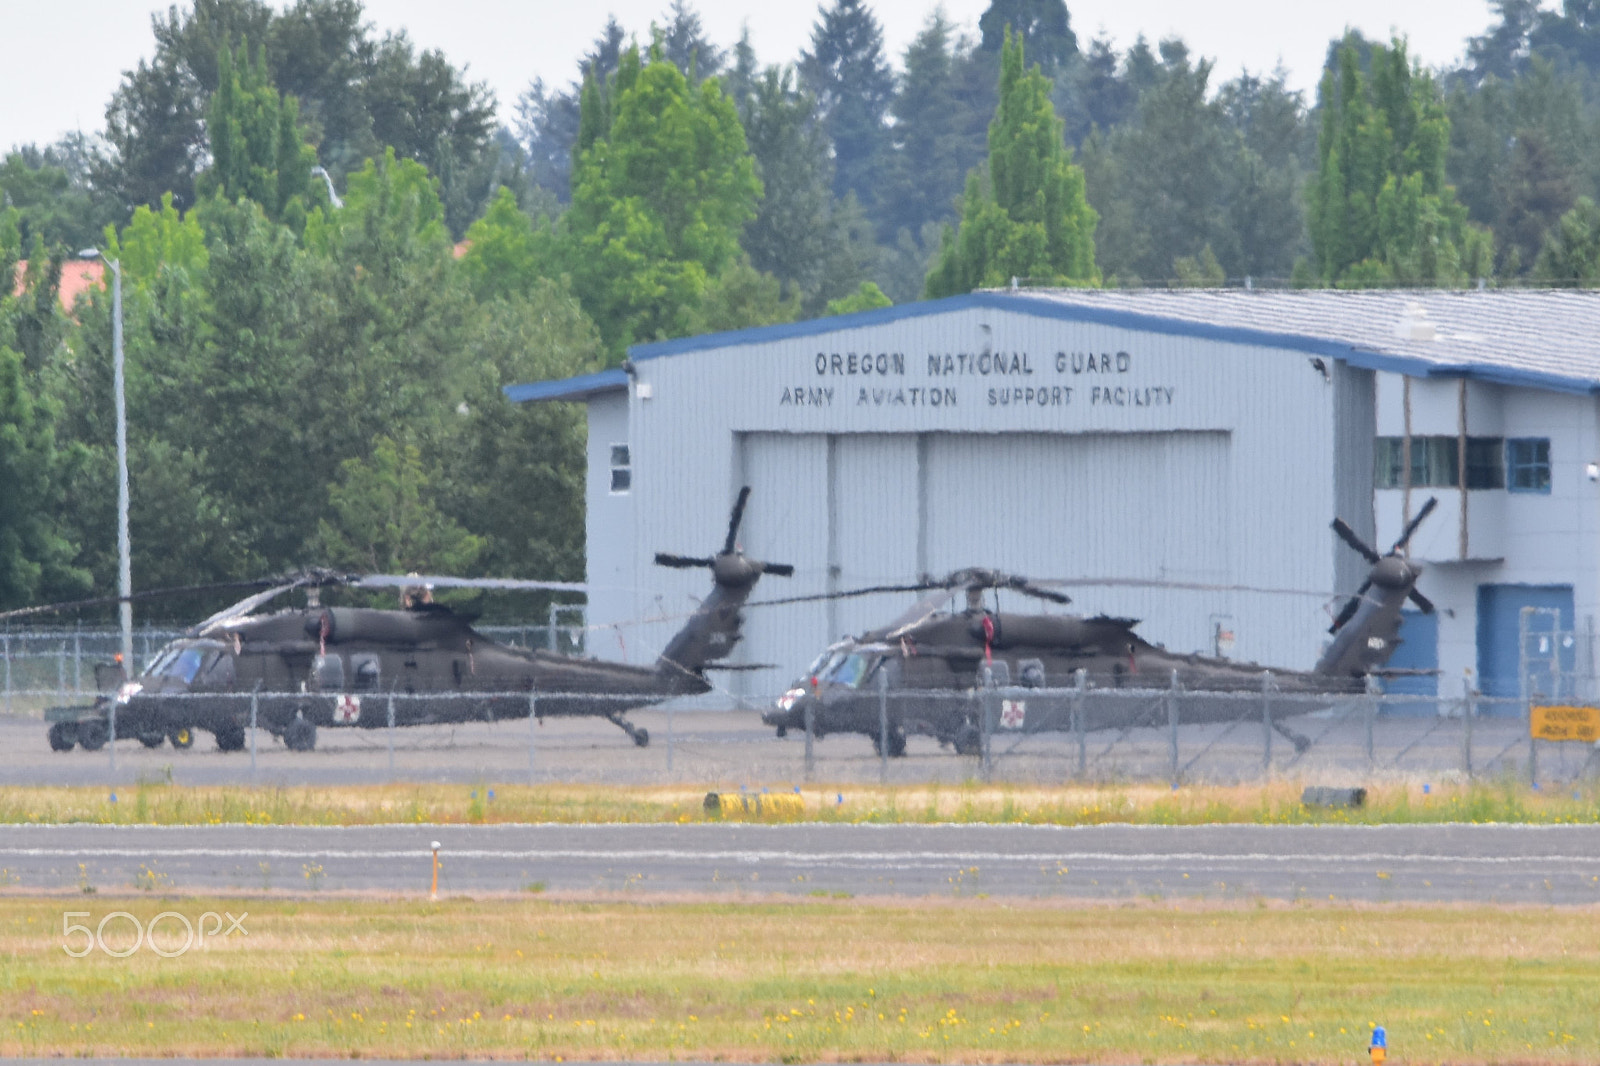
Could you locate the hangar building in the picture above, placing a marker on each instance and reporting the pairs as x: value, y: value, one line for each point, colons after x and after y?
x: 1197, y: 438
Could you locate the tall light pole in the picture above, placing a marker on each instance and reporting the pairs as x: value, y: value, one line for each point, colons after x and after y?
x: 124, y: 555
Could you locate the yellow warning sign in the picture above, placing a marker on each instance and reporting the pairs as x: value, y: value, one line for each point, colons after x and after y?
x: 1565, y: 723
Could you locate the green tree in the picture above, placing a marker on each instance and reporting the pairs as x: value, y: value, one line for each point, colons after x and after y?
x: 54, y: 198
x: 1380, y: 208
x: 386, y: 520
x: 357, y: 94
x: 1025, y: 214
x: 256, y: 147
x: 658, y: 203
x: 866, y: 298
x: 36, y: 552
x: 506, y: 251
x: 513, y: 473
x: 1571, y: 254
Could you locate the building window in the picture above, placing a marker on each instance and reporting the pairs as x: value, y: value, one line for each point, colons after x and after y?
x: 1434, y: 463
x: 1528, y: 464
x: 621, y: 469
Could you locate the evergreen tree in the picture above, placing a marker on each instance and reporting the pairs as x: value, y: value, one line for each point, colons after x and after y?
x: 1536, y: 193
x: 685, y: 45
x: 1044, y: 27
x: 1380, y: 208
x: 1024, y: 214
x: 846, y: 71
x: 933, y: 143
x: 801, y: 234
x: 548, y: 119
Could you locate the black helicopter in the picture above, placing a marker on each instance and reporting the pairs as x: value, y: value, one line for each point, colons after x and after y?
x: 933, y: 660
x: 320, y: 667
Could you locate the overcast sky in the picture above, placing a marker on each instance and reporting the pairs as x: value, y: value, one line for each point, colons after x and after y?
x: 64, y: 59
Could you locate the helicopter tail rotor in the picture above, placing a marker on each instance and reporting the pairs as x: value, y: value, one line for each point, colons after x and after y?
x: 1405, y: 537
x: 730, y: 563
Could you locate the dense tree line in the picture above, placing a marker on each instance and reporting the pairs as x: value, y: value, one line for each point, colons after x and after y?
x: 336, y: 250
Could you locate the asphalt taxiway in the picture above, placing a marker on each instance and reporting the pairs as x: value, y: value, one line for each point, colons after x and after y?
x: 1411, y: 863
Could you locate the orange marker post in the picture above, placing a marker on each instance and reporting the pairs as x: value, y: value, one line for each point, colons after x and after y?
x: 434, y: 892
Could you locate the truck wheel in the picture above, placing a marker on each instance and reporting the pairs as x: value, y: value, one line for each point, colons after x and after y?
x: 63, y: 735
x: 968, y: 741
x: 182, y: 738
x: 93, y: 734
x: 152, y: 740
x: 230, y: 738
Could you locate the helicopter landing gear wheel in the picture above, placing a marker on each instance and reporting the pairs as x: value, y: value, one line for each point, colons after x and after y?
x: 641, y: 737
x: 182, y: 738
x: 783, y: 731
x: 230, y: 738
x: 63, y: 735
x: 897, y: 744
x: 300, y: 736
x: 93, y: 734
x: 968, y: 741
x: 152, y: 740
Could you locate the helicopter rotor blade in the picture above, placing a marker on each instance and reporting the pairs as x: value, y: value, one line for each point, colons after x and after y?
x: 1040, y: 590
x: 1424, y: 604
x: 1348, y: 535
x: 681, y: 562
x: 1405, y: 537
x: 843, y: 594
x: 136, y: 597
x: 1352, y: 605
x: 734, y: 519
x: 504, y: 584
x: 778, y: 569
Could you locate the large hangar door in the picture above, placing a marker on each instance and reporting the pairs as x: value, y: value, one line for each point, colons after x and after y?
x: 787, y: 522
x: 1112, y: 505
x: 875, y: 526
x: 843, y: 510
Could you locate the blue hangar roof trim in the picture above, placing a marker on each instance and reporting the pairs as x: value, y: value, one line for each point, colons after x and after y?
x: 1542, y: 339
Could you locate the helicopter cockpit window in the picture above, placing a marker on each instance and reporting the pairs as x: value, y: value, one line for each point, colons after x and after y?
x: 367, y: 672
x: 186, y: 664
x: 328, y: 672
x: 159, y: 666
x: 854, y: 669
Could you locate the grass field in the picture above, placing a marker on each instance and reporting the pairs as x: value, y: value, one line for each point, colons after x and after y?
x: 968, y: 981
x: 167, y: 804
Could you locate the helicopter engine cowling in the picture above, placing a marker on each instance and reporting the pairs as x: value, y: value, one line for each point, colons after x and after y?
x: 1032, y: 631
x: 342, y: 624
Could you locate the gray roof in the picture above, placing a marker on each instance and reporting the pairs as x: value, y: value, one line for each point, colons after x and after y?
x: 1540, y: 338
x: 1544, y: 339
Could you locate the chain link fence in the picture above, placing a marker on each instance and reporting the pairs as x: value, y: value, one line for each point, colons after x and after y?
x: 1088, y: 734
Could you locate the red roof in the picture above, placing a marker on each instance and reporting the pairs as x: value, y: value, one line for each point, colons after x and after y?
x: 77, y: 276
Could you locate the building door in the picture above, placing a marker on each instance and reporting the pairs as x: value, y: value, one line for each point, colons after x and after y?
x: 1500, y: 652
x: 1418, y: 650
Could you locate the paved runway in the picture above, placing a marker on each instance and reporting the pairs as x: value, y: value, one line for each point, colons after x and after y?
x: 1467, y: 863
